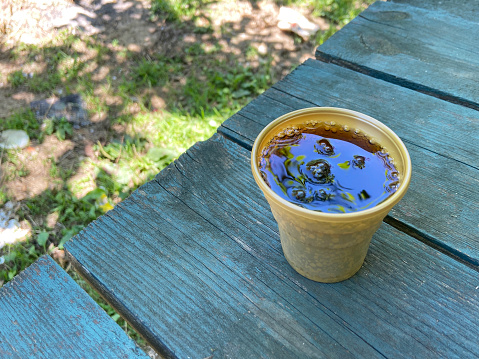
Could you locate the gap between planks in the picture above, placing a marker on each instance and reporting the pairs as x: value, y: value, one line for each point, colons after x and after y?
x: 321, y: 56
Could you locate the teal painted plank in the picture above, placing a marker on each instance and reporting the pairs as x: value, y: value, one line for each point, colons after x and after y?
x: 433, y: 52
x: 467, y: 9
x: 441, y: 205
x: 45, y: 314
x: 193, y: 261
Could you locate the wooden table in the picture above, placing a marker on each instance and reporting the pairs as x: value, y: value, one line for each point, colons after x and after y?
x: 193, y: 259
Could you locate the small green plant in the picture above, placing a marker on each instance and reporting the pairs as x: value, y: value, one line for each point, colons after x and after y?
x: 4, y: 197
x: 225, y: 87
x: 129, y: 162
x: 17, y: 78
x: 66, y: 38
x: 22, y: 120
x: 251, y: 52
x: 61, y: 128
x: 148, y: 73
x: 48, y: 126
x: 73, y: 215
x: 72, y: 67
x: 176, y: 10
x: 322, y: 36
x: 155, y: 72
x: 339, y: 12
x: 102, y: 52
x: 53, y: 171
x: 17, y: 257
x: 195, y: 50
x: 203, y: 29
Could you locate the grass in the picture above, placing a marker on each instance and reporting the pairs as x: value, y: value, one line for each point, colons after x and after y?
x: 199, y: 88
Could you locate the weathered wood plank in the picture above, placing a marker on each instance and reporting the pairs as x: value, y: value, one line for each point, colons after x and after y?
x: 415, y: 117
x: 45, y: 314
x: 441, y: 205
x: 214, y: 281
x: 467, y: 9
x: 433, y: 52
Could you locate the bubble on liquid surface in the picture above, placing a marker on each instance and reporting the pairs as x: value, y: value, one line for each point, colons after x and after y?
x: 319, y: 171
x: 300, y: 194
x: 324, y: 147
x: 322, y: 195
x: 359, y: 161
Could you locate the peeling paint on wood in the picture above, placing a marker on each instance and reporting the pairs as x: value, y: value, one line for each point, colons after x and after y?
x: 45, y: 314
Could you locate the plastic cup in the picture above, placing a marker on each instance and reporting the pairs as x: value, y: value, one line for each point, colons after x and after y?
x: 330, y: 247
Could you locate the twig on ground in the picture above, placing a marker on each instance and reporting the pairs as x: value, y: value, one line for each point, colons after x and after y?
x: 48, y: 110
x: 103, y: 152
x: 65, y: 156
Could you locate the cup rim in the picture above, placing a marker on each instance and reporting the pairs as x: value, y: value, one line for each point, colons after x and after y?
x: 387, y: 204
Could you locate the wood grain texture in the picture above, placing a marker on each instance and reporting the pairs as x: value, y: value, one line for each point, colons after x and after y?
x: 193, y: 261
x: 45, y: 314
x: 467, y: 9
x: 433, y: 52
x: 441, y: 205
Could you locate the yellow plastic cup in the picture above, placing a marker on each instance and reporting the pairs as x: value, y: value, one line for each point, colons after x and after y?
x: 330, y: 247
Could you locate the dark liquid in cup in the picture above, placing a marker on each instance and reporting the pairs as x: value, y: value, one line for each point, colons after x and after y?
x: 328, y: 168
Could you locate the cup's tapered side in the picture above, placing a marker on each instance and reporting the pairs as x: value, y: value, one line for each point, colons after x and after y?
x: 325, y: 251
x: 330, y: 247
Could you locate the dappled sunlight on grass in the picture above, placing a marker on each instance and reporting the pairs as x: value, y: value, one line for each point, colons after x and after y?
x: 177, y: 131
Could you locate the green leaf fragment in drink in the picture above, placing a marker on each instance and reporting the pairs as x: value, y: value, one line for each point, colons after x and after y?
x: 348, y: 197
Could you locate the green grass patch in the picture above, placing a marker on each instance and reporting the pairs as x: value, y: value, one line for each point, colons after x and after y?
x: 25, y: 120
x: 150, y: 73
x: 338, y: 12
x: 129, y: 162
x: 17, y: 78
x: 61, y: 128
x: 72, y: 215
x: 22, y: 120
x: 223, y: 87
x: 17, y: 257
x: 177, y: 10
